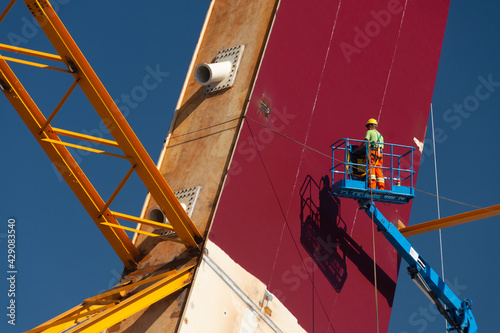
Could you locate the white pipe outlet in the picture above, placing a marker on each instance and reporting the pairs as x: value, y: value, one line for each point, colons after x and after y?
x: 205, y: 73
x: 155, y: 214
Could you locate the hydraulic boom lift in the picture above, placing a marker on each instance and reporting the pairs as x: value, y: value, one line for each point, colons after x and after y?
x: 457, y: 313
x: 354, y: 184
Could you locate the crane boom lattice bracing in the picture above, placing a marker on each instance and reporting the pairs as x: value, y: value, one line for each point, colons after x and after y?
x: 125, y: 139
x: 105, y: 310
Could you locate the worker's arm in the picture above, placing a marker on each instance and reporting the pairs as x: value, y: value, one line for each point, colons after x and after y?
x: 361, y: 146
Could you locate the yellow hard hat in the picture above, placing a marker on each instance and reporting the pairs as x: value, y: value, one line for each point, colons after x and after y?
x: 371, y: 121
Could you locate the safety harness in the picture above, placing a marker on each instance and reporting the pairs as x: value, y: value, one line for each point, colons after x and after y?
x: 375, y: 147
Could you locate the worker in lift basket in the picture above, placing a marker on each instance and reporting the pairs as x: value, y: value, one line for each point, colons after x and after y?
x: 376, y: 142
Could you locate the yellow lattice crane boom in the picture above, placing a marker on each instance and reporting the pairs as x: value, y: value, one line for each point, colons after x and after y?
x: 102, y: 311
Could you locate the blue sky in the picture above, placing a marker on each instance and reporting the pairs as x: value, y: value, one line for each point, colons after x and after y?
x: 62, y: 259
x: 465, y: 103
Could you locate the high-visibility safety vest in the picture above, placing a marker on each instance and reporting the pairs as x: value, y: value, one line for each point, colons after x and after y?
x: 375, y: 138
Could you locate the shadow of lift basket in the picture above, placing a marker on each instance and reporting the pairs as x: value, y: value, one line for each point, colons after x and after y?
x: 349, y: 172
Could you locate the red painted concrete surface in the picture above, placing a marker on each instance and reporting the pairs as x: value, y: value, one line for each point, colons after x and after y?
x: 329, y: 66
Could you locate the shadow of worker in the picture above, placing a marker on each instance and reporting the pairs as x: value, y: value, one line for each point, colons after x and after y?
x: 324, y: 236
x: 321, y: 230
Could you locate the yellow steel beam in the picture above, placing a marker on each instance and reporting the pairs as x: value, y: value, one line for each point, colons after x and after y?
x: 67, y: 166
x: 118, y: 189
x: 59, y: 105
x: 9, y: 6
x: 93, y: 150
x: 97, y: 313
x: 35, y: 64
x: 39, y: 54
x: 142, y: 221
x: 135, y: 303
x: 142, y: 232
x: 69, y: 318
x: 119, y: 291
x: 85, y: 137
x: 114, y: 120
x: 125, y: 139
x: 451, y: 221
x: 118, y: 226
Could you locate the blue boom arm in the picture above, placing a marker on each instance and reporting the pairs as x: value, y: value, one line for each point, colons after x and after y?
x: 457, y: 313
